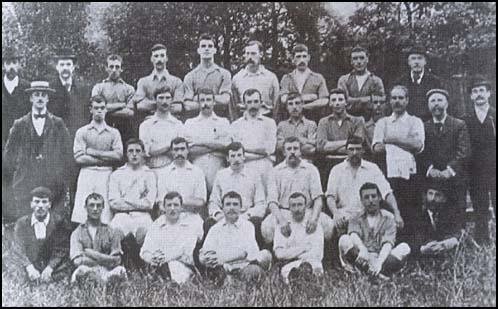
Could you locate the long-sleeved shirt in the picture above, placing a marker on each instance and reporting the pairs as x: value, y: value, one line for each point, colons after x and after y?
x: 188, y: 180
x: 260, y: 132
x: 263, y: 80
x: 105, y: 139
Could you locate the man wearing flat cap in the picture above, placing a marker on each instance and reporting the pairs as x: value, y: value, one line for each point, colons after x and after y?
x: 418, y: 80
x: 447, y: 151
x: 481, y: 123
x: 38, y: 152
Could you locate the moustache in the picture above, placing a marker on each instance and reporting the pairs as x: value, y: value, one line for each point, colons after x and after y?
x: 250, y: 61
x: 253, y: 109
x: 205, y: 106
x: 301, y: 63
x: 159, y: 63
x: 66, y: 72
x: 179, y: 156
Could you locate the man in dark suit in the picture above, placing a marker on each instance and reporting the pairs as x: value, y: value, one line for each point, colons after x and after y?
x: 37, y: 152
x: 418, y: 80
x: 447, y: 150
x: 481, y: 124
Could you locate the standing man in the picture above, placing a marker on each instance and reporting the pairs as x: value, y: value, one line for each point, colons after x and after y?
x: 401, y: 136
x: 258, y: 135
x: 418, y: 80
x: 360, y: 85
x: 256, y: 76
x: 38, y: 151
x: 117, y: 94
x: 97, y: 147
x: 310, y: 85
x: 447, y: 151
x: 144, y: 101
x: 210, y: 76
x: 208, y: 135
x: 481, y: 124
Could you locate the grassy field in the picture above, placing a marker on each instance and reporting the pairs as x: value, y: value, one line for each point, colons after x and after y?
x: 465, y: 278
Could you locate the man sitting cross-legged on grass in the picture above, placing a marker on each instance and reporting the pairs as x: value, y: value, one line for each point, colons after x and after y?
x: 95, y: 247
x: 231, y: 247
x: 302, y: 251
x: 369, y: 244
x: 170, y: 242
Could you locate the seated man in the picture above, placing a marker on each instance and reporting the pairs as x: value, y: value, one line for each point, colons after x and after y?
x: 231, y: 247
x: 302, y: 251
x: 95, y: 247
x: 436, y: 228
x: 170, y: 242
x: 40, y: 240
x: 369, y: 244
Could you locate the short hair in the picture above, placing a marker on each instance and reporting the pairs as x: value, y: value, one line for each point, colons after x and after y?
x: 41, y: 192
x: 162, y: 89
x: 293, y: 95
x: 354, y: 140
x: 178, y: 140
x: 206, y: 37
x: 291, y: 139
x: 171, y: 195
x: 299, y: 48
x: 158, y: 47
x: 255, y: 42
x: 94, y: 196
x: 97, y: 99
x: 249, y: 92
x: 296, y: 195
x: 231, y: 194
x: 134, y: 140
x: 404, y: 88
x: 114, y: 57
x: 235, y: 146
x: 206, y: 91
x: 338, y: 91
x: 359, y: 49
x: 370, y: 185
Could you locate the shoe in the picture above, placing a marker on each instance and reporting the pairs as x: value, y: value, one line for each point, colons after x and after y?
x: 306, y: 271
x: 294, y: 275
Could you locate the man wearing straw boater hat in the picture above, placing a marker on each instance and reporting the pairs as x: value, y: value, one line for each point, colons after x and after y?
x: 38, y: 151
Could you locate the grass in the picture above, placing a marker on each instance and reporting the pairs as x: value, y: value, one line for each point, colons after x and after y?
x: 466, y: 277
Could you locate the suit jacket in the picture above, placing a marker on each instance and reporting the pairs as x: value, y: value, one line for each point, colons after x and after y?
x: 14, y: 106
x: 450, y: 147
x: 417, y: 93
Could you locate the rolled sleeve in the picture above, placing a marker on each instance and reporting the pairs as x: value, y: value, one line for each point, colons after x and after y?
x: 312, y: 133
x: 226, y: 83
x: 259, y: 208
x: 315, y: 184
x: 188, y: 87
x: 75, y: 246
x: 149, y: 245
x: 97, y: 89
x: 379, y: 132
x: 143, y: 135
x: 117, y: 144
x: 381, y: 181
x: 321, y: 134
x: 389, y: 235
x: 79, y: 146
x: 178, y: 90
x: 323, y: 92
x: 200, y: 186
x: 215, y: 198
x: 251, y: 247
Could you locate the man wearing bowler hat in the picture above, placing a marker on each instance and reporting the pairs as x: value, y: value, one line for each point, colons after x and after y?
x: 38, y: 152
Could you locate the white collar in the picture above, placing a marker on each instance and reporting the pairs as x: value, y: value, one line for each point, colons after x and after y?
x: 12, y: 83
x: 442, y: 120
x: 34, y: 220
x: 69, y: 80
x: 34, y: 112
x: 395, y: 117
x: 419, y: 79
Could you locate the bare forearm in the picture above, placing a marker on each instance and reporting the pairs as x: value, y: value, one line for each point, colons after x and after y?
x: 308, y: 149
x: 85, y: 260
x: 110, y: 155
x: 115, y: 106
x: 335, y: 147
x: 222, y: 99
x: 146, y: 105
x: 409, y: 144
x: 156, y: 150
x: 194, y: 204
x: 233, y: 255
x: 123, y: 113
x: 103, y: 259
x: 138, y: 204
x: 393, y: 205
x: 315, y: 104
x: 86, y: 160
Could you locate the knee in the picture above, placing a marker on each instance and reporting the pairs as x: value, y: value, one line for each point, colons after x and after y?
x: 140, y: 235
x: 264, y: 259
x: 252, y: 273
x: 403, y: 250
x: 345, y: 243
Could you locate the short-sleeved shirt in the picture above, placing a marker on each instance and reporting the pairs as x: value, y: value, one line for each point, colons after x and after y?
x: 148, y: 84
x: 215, y: 78
x: 255, y: 133
x: 114, y: 91
x: 285, y: 180
x: 189, y: 181
x: 159, y: 132
x: 400, y: 163
x: 302, y: 128
x: 330, y: 130
x: 344, y: 185
x: 314, y: 84
x: 89, y: 136
x: 202, y: 129
x: 164, y: 236
x: 374, y: 237
x: 263, y: 80
x: 106, y: 241
x: 246, y: 183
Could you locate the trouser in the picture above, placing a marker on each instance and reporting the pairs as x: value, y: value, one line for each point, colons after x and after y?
x: 175, y: 270
x: 482, y: 192
x: 408, y: 196
x: 102, y: 273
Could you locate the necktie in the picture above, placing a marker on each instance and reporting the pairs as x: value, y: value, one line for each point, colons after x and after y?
x: 67, y: 85
x: 40, y: 116
x: 439, y: 127
x: 416, y: 77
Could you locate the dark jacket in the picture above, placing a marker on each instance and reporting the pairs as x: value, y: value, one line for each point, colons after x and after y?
x: 14, y: 106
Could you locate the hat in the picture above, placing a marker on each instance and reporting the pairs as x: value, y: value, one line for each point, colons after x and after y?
x: 39, y: 86
x: 65, y: 53
x: 417, y: 49
x: 10, y: 53
x: 479, y: 80
x: 437, y: 90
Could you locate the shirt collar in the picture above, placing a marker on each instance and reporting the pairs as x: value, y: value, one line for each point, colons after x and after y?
x: 201, y: 117
x: 14, y: 82
x: 68, y: 81
x: 209, y: 70
x: 442, y: 120
x: 258, y: 117
x: 334, y: 117
x: 362, y: 164
x: 306, y: 72
x: 284, y: 165
x: 188, y: 165
x: 242, y: 172
x: 300, y: 120
x: 156, y: 75
x: 170, y: 118
x: 108, y: 80
x: 261, y: 71
x: 93, y: 125
x: 33, y: 112
x: 394, y: 117
x: 482, y: 109
x: 86, y: 225
x: 34, y: 220
x: 367, y: 73
x: 226, y: 223
x: 412, y: 75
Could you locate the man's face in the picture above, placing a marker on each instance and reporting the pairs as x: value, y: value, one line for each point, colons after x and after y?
x: 438, y: 103
x: 206, y: 101
x: 416, y: 62
x: 163, y: 101
x: 301, y: 60
x: 65, y: 67
x: 39, y: 99
x: 378, y: 107
x: 292, y: 153
x: 434, y: 199
x: 480, y: 95
x: 135, y: 154
x: 295, y: 107
x: 297, y: 207
x: 159, y: 59
x: 98, y: 111
x: 94, y: 208
x: 399, y: 101
x: 371, y: 200
x: 355, y: 153
x: 338, y: 103
x: 236, y: 158
x: 359, y: 61
x: 114, y: 69
x: 11, y: 67
x: 232, y: 208
x: 206, y: 49
x: 180, y: 151
x: 253, y: 55
x: 173, y: 209
x: 253, y: 103
x: 40, y: 206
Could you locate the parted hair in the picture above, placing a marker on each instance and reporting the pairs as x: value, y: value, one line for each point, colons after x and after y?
x: 296, y: 195
x: 231, y: 194
x: 134, y: 140
x: 249, y: 92
x: 370, y: 185
x: 94, y: 196
x: 171, y: 195
x: 160, y: 90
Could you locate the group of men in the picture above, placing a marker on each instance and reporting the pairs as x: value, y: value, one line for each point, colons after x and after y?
x: 214, y: 184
